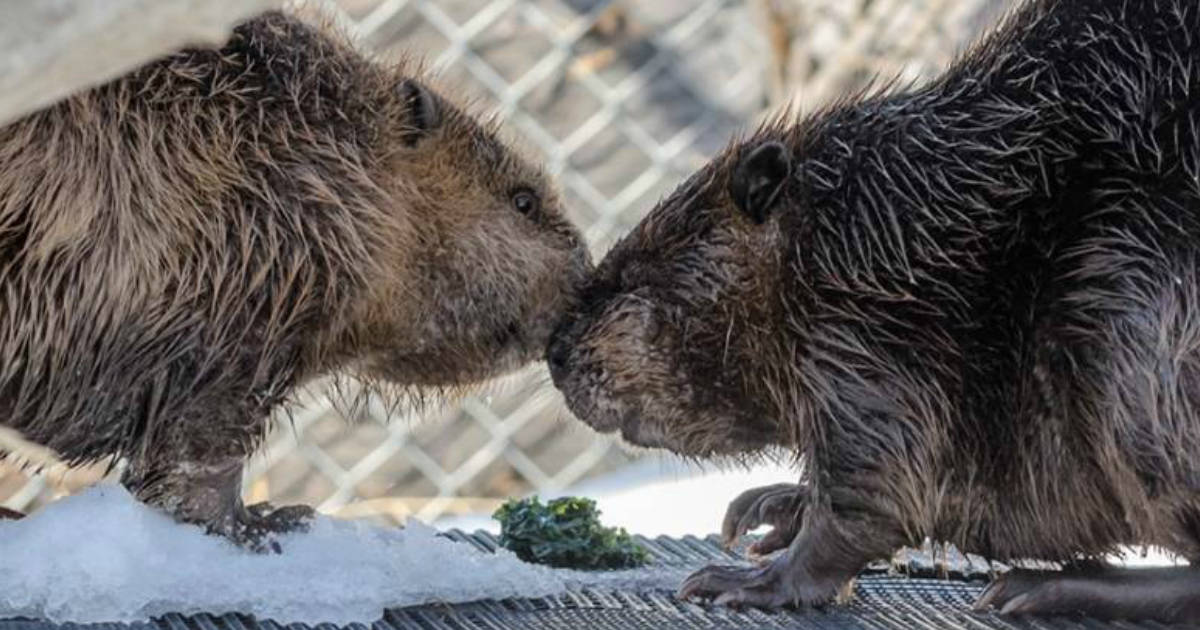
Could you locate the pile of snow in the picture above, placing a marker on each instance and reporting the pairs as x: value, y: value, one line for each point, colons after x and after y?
x: 100, y: 556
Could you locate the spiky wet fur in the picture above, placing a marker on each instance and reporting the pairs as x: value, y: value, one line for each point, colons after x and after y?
x: 975, y: 314
x: 181, y: 248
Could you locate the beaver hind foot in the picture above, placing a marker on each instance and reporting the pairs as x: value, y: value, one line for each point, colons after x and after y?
x: 209, y: 495
x: 1169, y: 595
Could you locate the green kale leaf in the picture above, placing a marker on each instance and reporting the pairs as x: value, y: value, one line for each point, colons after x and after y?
x: 566, y: 533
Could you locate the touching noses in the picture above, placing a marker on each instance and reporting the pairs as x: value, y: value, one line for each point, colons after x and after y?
x: 558, y: 354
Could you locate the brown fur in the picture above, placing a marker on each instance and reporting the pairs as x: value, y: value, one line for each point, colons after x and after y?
x: 183, y: 247
x: 970, y: 307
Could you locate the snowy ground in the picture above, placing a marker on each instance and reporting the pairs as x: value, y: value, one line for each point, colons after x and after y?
x: 100, y: 556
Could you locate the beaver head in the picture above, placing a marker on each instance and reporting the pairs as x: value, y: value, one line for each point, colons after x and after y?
x: 490, y: 263
x: 678, y: 326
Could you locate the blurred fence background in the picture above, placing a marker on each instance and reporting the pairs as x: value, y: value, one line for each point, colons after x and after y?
x: 622, y: 99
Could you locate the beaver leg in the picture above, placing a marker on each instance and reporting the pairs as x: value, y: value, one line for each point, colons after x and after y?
x: 1167, y: 595
x: 209, y: 494
x: 821, y: 559
x: 780, y: 505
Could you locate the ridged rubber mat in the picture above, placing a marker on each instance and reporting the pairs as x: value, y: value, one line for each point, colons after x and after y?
x: 883, y: 601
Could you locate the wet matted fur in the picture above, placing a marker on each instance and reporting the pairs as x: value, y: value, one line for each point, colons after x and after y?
x: 971, y: 306
x: 184, y: 246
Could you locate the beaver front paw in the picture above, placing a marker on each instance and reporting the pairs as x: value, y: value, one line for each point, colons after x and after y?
x: 208, y: 493
x: 6, y: 513
x: 781, y: 506
x: 261, y: 525
x: 776, y: 584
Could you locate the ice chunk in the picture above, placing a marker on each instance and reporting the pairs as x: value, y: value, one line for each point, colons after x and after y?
x: 100, y: 556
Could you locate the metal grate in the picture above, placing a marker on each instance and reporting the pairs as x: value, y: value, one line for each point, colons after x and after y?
x: 621, y: 100
x: 882, y: 601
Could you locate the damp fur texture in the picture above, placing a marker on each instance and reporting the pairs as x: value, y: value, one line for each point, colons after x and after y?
x: 182, y: 247
x: 972, y: 310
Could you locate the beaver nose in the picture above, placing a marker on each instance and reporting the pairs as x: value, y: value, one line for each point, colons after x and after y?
x: 557, y: 357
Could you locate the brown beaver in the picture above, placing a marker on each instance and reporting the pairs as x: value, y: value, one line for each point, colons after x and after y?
x: 182, y: 247
x: 972, y: 308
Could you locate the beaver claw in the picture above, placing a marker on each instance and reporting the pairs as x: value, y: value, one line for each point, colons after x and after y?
x: 262, y: 524
x: 781, y: 506
x: 736, y: 587
x: 1164, y: 595
x: 6, y: 513
x: 1018, y: 592
x: 773, y: 585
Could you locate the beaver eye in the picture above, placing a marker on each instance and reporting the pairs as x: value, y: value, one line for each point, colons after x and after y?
x: 525, y: 202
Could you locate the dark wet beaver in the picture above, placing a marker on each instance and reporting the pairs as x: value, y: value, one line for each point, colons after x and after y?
x: 971, y: 307
x: 181, y: 248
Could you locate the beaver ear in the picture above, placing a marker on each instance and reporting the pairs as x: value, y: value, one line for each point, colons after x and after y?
x: 759, y: 178
x: 424, y: 113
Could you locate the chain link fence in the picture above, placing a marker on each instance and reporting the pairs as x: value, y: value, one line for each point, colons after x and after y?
x: 621, y: 100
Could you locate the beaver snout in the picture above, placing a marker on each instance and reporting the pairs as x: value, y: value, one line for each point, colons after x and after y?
x: 558, y: 351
